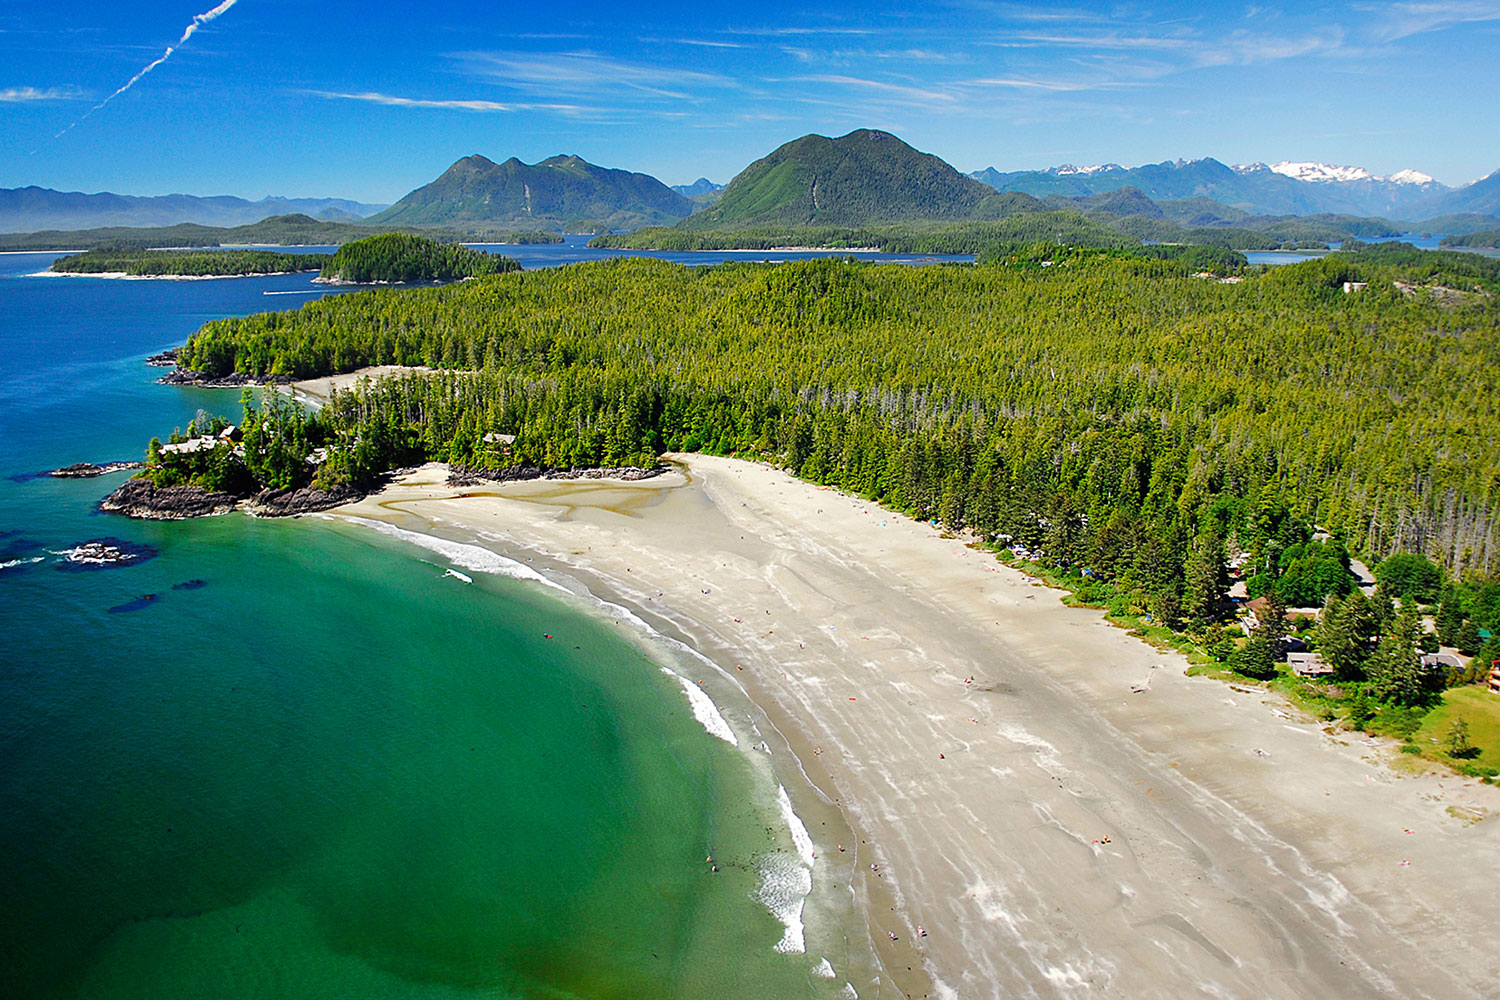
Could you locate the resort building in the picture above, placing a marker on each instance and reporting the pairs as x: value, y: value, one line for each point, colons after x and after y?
x: 1308, y: 665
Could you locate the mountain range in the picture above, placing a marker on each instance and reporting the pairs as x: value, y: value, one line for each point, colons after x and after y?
x: 864, y: 178
x: 1286, y: 188
x: 561, y: 192
x: 30, y: 209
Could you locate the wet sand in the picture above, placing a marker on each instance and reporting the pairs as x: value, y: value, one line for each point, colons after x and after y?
x: 1060, y: 808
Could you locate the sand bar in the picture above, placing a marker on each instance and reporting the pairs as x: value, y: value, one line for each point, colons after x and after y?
x: 1054, y: 832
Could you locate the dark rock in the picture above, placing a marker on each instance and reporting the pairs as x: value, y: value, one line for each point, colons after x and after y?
x: 465, y: 475
x: 104, y: 553
x: 88, y: 470
x: 190, y: 585
x: 300, y: 500
x: 144, y: 601
x: 166, y: 359
x: 182, y: 376
x: 142, y: 498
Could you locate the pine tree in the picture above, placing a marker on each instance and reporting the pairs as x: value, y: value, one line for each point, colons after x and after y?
x: 1450, y: 618
x: 1467, y: 640
x: 1396, y: 670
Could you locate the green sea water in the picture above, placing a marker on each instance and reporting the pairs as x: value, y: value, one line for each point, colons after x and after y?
x: 314, y: 763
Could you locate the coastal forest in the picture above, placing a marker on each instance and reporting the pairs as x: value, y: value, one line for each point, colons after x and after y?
x: 195, y: 263
x: 1133, y: 423
x: 392, y: 258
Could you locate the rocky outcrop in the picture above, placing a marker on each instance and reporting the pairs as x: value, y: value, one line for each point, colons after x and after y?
x: 234, y: 380
x: 301, y: 500
x: 467, y: 475
x: 104, y: 553
x: 88, y: 470
x: 144, y: 499
x: 166, y: 359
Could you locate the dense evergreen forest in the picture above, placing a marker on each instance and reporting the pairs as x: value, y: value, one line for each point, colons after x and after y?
x: 1133, y: 426
x: 1485, y: 238
x: 952, y: 238
x: 189, y: 262
x: 1113, y: 412
x: 399, y: 257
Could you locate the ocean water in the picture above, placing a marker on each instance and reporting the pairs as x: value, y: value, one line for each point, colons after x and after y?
x: 302, y: 758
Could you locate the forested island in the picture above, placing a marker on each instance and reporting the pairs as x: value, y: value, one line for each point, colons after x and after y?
x: 1128, y: 425
x: 393, y: 258
x: 190, y: 263
x: 1488, y: 239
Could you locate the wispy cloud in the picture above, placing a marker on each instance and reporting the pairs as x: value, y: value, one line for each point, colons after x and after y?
x: 920, y: 94
x: 587, y: 74
x: 1053, y: 86
x: 394, y: 101
x: 1401, y: 20
x: 199, y: 20
x: 24, y: 95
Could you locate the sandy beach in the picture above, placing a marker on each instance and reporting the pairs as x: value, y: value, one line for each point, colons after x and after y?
x: 1055, y: 803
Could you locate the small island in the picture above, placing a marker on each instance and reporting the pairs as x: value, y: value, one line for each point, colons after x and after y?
x: 394, y: 258
x: 188, y: 263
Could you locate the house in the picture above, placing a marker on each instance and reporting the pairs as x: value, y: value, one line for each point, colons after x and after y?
x: 1442, y: 661
x: 1256, y: 610
x: 1308, y: 665
x: 1495, y: 677
x: 1355, y: 286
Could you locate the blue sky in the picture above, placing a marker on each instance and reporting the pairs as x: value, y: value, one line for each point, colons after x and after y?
x: 368, y: 100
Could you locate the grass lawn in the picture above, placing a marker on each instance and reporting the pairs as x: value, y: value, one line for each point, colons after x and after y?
x: 1479, y: 708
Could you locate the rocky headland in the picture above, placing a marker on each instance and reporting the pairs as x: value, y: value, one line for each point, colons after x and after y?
x: 141, y: 498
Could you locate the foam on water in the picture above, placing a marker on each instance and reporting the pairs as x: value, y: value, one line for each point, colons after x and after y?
x: 458, y: 576
x: 824, y: 970
x: 800, y: 837
x: 784, y: 887
x: 704, y: 709
x: 21, y: 562
x: 474, y: 557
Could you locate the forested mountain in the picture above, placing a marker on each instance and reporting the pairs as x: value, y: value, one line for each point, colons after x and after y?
x: 1257, y: 188
x: 29, y: 209
x: 559, y: 192
x: 864, y: 178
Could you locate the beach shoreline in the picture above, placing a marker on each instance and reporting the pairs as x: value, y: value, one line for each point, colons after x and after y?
x: 978, y: 743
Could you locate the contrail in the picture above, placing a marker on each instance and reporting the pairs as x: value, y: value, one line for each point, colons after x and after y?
x: 199, y: 20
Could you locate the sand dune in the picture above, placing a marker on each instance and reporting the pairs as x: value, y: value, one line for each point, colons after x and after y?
x: 1055, y: 832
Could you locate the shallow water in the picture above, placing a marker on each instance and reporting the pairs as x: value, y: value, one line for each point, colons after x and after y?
x: 301, y: 758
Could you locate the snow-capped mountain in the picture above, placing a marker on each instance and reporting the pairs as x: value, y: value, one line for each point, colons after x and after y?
x: 1098, y: 168
x: 1411, y: 177
x: 1329, y: 173
x: 1290, y: 187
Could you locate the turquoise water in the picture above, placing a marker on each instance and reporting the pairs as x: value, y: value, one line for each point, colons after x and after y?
x: 313, y: 764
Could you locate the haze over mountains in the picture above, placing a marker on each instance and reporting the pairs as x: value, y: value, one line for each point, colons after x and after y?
x: 30, y: 209
x: 1286, y: 188
x: 867, y: 177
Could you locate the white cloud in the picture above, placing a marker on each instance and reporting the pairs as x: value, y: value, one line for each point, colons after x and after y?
x: 587, y: 74
x: 1401, y: 20
x: 24, y: 95
x: 391, y: 100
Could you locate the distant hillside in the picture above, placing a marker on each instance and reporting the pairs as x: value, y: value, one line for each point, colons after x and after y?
x: 699, y: 187
x: 283, y: 230
x: 30, y: 209
x: 559, y: 192
x: 1283, y: 189
x: 1481, y: 197
x: 860, y: 179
